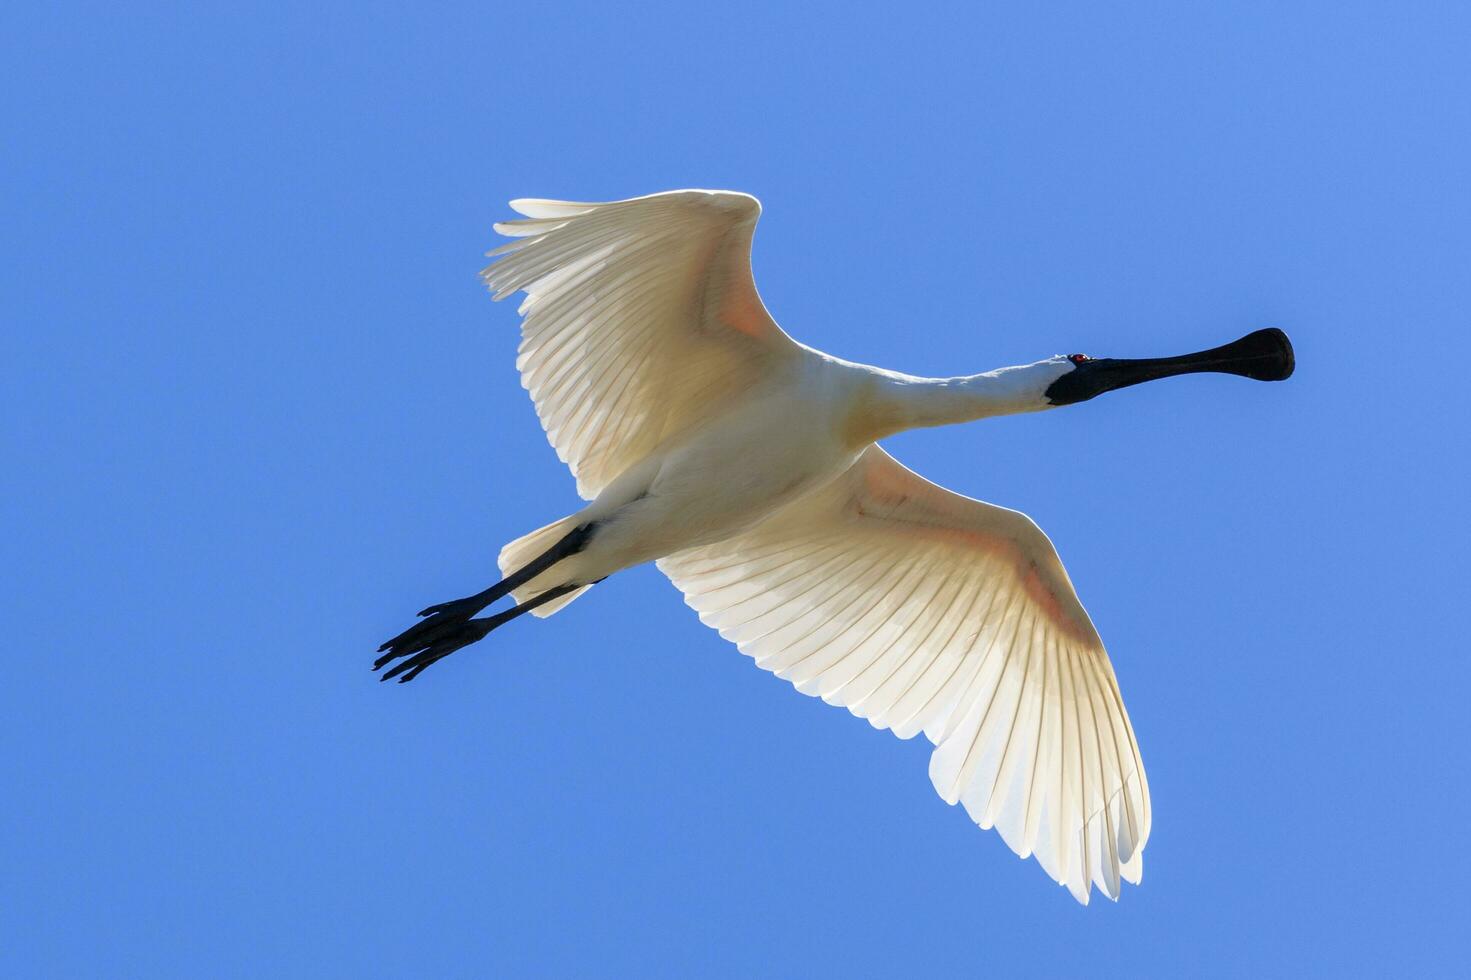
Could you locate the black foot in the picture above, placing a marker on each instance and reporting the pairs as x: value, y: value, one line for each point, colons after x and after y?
x: 439, y: 621
x: 449, y: 630
x: 446, y: 642
x: 442, y: 623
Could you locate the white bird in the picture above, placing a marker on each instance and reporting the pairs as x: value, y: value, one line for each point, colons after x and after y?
x: 745, y: 465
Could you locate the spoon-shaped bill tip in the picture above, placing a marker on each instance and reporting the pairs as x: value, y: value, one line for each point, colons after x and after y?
x: 1265, y: 355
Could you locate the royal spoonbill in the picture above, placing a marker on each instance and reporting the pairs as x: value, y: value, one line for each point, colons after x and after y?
x: 746, y: 465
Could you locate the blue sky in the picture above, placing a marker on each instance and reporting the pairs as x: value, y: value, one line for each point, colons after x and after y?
x: 257, y: 411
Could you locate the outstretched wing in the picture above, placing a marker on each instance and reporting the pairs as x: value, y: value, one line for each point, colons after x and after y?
x: 641, y: 320
x: 923, y: 610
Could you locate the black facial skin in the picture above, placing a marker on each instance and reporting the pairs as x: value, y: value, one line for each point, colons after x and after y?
x: 1265, y: 355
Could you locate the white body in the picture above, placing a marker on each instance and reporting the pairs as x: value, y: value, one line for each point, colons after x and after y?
x: 726, y: 476
x: 745, y: 464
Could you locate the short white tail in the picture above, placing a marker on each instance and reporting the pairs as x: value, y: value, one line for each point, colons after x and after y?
x: 521, y: 552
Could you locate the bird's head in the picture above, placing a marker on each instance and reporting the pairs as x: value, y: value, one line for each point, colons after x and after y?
x: 1265, y: 355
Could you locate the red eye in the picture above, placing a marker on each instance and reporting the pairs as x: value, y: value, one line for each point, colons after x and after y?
x: 1078, y: 358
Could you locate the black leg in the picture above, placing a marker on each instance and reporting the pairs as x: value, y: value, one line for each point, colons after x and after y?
x: 444, y: 618
x: 462, y: 635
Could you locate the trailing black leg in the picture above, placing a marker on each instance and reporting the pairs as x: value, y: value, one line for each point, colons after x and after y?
x: 443, y: 618
x: 462, y: 635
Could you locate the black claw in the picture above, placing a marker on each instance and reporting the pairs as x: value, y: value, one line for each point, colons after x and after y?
x: 398, y: 669
x: 389, y: 675
x: 410, y: 663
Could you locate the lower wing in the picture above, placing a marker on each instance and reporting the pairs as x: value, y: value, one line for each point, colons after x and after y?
x: 924, y: 610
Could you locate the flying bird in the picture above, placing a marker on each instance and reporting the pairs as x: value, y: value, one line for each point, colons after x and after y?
x: 746, y: 466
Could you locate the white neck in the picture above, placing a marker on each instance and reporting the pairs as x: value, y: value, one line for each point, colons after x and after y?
x: 900, y: 401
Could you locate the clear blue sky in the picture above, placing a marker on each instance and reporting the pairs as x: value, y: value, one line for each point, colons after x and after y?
x: 257, y: 411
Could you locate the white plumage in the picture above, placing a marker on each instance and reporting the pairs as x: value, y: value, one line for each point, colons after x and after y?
x: 745, y: 464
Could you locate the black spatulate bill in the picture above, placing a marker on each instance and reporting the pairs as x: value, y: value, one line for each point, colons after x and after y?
x: 1264, y: 355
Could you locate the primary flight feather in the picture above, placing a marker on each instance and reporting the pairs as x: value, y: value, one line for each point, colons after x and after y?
x: 746, y: 466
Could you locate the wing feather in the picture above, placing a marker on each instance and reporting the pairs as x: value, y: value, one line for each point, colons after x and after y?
x: 922, y: 610
x: 641, y: 320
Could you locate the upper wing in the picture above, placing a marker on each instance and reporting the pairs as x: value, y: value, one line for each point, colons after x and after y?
x: 920, y: 609
x: 641, y: 320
